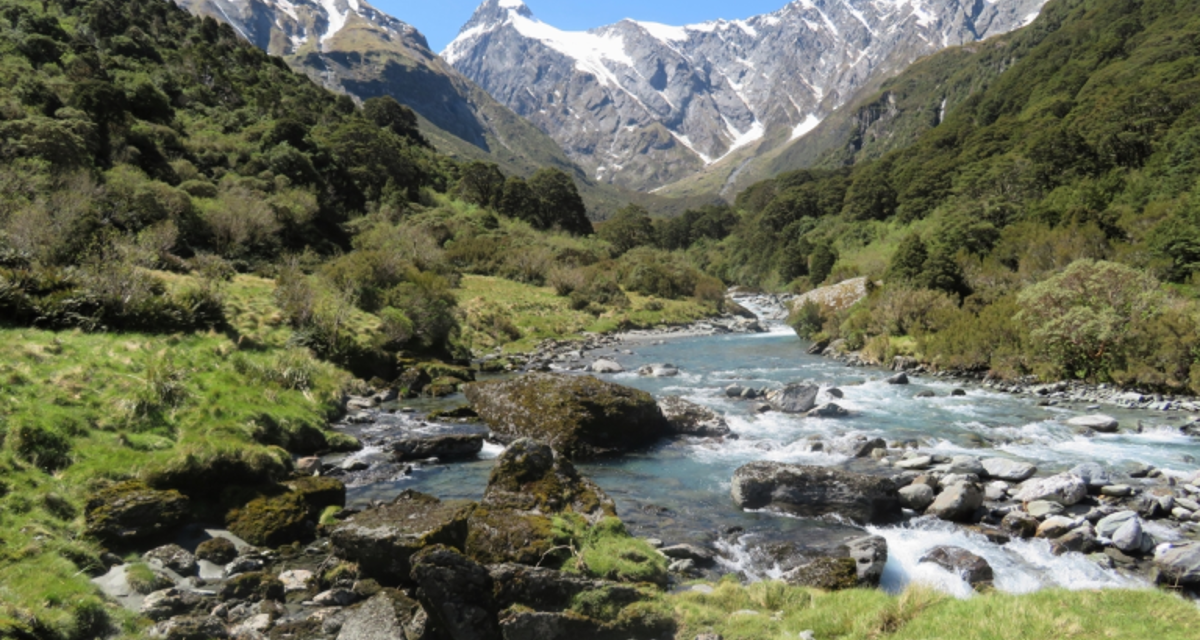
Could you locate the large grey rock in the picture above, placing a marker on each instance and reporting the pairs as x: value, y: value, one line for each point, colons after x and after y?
x: 443, y: 447
x: 1128, y: 537
x: 606, y: 366
x: 957, y: 503
x: 457, y: 594
x: 129, y: 511
x: 580, y: 416
x: 815, y: 491
x: 388, y: 615
x: 972, y: 568
x: 794, y: 398
x: 659, y: 370
x: 189, y: 628
x: 690, y: 419
x: 1065, y: 489
x: 1098, y: 423
x: 828, y: 410
x: 1093, y: 474
x: 1008, y: 470
x: 1178, y: 564
x: 899, y: 378
x: 1108, y: 525
x: 173, y: 557
x: 870, y: 555
x: 382, y: 540
x: 963, y: 465
x: 917, y: 497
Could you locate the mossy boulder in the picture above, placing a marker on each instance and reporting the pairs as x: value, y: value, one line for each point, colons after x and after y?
x: 217, y: 551
x: 529, y: 484
x: 457, y: 593
x: 131, y: 511
x: 830, y: 574
x: 271, y: 521
x: 258, y: 585
x: 383, y: 540
x: 319, y: 492
x: 579, y: 416
x: 442, y: 387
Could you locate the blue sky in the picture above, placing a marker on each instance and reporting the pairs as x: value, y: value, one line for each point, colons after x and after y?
x: 440, y: 20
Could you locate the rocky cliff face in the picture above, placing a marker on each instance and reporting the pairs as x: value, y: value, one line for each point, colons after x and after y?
x: 642, y: 104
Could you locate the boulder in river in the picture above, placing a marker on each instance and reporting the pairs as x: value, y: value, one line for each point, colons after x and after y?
x: 387, y: 615
x: 794, y: 398
x: 1093, y: 474
x: 606, y: 366
x: 870, y: 554
x: 658, y: 370
x: 899, y: 378
x: 828, y: 410
x: 972, y: 568
x: 580, y: 416
x: 815, y: 491
x: 829, y: 574
x: 1008, y: 470
x: 382, y: 540
x: 1065, y: 489
x: 1178, y: 564
x: 856, y: 445
x: 690, y: 419
x: 1098, y: 423
x: 443, y: 447
x: 917, y: 497
x: 1109, y: 524
x: 957, y: 502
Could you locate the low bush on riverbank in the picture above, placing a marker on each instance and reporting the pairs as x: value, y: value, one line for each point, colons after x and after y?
x: 772, y: 610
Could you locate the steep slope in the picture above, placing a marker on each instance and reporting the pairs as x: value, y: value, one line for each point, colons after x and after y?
x: 351, y: 47
x: 644, y: 105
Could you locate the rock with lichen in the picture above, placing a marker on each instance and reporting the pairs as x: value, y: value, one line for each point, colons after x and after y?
x: 579, y: 416
x: 131, y: 511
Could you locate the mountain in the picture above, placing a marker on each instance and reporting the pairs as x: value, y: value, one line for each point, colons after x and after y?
x: 351, y: 47
x: 644, y: 104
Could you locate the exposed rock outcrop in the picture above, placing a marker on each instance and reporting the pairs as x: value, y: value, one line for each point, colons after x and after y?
x: 815, y: 491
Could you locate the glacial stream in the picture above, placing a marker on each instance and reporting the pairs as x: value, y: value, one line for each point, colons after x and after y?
x: 679, y: 490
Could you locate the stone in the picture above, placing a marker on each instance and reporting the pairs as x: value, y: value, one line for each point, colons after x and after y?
x: 1108, y: 525
x: 530, y: 484
x: 1055, y: 527
x: 658, y: 371
x: 917, y: 497
x: 834, y: 392
x: 388, y: 615
x: 130, y: 511
x: 217, y: 550
x: 272, y: 521
x: 1098, y: 423
x: 442, y: 447
x: 1007, y: 470
x: 173, y: 557
x: 995, y: 491
x: 973, y: 569
x: 335, y: 598
x: 1117, y: 491
x: 794, y: 398
x: 606, y: 366
x: 899, y: 378
x: 254, y: 626
x: 1080, y: 540
x: 915, y: 462
x: 1065, y: 488
x: 318, y: 493
x: 957, y: 503
x: 830, y: 574
x: 580, y: 416
x: 958, y: 393
x: 684, y: 566
x: 734, y: 391
x: 1019, y: 524
x: 692, y: 552
x: 1128, y: 537
x: 814, y: 491
x: 856, y: 446
x: 1178, y: 564
x: 254, y: 586
x: 295, y: 580
x: 690, y: 419
x: 308, y: 466
x: 382, y: 540
x: 828, y: 410
x: 964, y: 465
x: 160, y: 605
x: 545, y: 589
x: 189, y: 628
x: 1093, y: 475
x: 456, y: 593
x: 871, y: 555
x: 925, y: 394
x: 242, y: 564
x: 1043, y: 508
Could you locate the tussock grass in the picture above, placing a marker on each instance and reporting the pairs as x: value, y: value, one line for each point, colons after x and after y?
x: 773, y: 610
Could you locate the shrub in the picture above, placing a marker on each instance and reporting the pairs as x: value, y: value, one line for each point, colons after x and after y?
x: 808, y: 319
x: 565, y: 280
x: 821, y: 262
x: 40, y: 446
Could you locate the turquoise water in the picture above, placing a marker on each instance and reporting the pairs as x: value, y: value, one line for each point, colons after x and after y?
x: 679, y: 491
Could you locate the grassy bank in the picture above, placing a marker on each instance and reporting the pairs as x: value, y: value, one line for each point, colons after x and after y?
x: 773, y: 610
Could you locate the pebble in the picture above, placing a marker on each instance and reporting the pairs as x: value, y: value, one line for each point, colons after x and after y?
x: 1116, y: 490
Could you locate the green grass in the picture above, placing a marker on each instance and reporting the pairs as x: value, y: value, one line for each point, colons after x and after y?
x: 539, y: 314
x: 773, y: 610
x: 78, y: 409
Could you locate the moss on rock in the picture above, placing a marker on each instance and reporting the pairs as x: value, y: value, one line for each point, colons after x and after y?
x: 258, y: 585
x: 498, y: 536
x: 271, y: 521
x: 319, y: 492
x: 580, y: 416
x: 130, y: 511
x: 217, y: 551
x: 830, y: 574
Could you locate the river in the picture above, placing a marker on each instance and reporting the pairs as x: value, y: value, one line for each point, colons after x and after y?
x: 679, y: 490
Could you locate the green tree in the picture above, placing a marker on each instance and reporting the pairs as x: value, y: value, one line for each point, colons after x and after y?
x: 561, y: 205
x: 820, y: 264
x: 908, y: 263
x: 518, y: 201
x: 481, y: 183
x: 631, y: 227
x: 386, y: 113
x: 1084, y: 318
x: 870, y: 196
